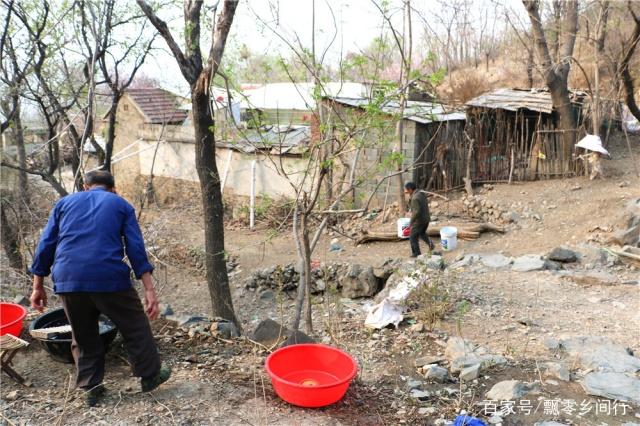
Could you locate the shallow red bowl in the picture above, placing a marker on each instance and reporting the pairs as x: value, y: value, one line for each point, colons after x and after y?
x: 11, y: 316
x: 310, y: 375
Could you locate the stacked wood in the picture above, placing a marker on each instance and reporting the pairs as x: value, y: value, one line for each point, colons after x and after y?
x: 465, y: 232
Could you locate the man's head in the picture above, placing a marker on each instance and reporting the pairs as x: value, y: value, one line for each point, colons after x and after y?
x: 99, y: 178
x: 409, y: 188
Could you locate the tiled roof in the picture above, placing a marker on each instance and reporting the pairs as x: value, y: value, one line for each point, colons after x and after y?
x: 158, y: 105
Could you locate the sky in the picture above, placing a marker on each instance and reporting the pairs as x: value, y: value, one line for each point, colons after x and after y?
x: 357, y: 23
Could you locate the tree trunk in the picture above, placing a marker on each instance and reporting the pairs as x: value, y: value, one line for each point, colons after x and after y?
x: 557, y: 74
x: 307, y: 271
x: 216, y: 265
x: 111, y: 132
x: 627, y: 80
x: 10, y: 238
x: 22, y: 153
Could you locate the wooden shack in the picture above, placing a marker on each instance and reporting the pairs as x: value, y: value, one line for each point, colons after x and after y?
x: 516, y: 137
x: 433, y: 148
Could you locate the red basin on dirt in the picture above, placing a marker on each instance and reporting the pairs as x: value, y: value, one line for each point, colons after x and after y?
x: 11, y: 316
x: 310, y: 375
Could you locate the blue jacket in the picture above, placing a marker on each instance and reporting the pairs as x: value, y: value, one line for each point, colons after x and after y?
x: 85, y: 240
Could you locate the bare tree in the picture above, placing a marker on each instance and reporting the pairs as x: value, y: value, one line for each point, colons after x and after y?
x: 556, y: 73
x: 625, y: 74
x: 199, y: 75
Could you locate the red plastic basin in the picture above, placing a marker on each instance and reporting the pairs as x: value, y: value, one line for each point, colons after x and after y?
x: 310, y: 375
x: 11, y: 316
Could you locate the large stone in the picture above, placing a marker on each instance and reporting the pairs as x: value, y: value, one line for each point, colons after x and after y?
x: 470, y: 373
x: 616, y: 386
x: 549, y: 423
x: 555, y: 369
x: 358, y: 282
x: 601, y: 354
x: 563, y: 254
x: 426, y: 360
x: 527, y: 263
x: 590, y: 277
x: 269, y: 333
x: 436, y: 373
x: 297, y: 338
x: 431, y: 261
x: 462, y: 354
x: 495, y: 260
x: 627, y: 237
x: 510, y: 390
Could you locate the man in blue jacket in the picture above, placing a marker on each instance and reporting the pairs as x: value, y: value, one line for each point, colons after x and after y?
x: 83, y: 247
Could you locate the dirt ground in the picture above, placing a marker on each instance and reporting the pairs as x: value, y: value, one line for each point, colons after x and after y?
x: 223, y: 382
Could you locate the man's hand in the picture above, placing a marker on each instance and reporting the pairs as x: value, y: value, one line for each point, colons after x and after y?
x: 39, y: 295
x: 152, y: 307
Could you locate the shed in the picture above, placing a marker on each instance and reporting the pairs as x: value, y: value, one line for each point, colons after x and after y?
x: 516, y: 137
x: 433, y: 148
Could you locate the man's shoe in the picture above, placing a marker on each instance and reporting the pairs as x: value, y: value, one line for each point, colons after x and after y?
x: 92, y: 396
x: 150, y: 383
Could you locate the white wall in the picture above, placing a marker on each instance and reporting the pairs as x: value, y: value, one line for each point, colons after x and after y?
x: 177, y: 160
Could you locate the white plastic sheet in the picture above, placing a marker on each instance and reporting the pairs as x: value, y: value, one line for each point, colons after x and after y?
x: 389, y: 311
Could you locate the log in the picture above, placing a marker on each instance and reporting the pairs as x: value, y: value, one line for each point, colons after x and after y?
x: 466, y: 232
x: 369, y: 237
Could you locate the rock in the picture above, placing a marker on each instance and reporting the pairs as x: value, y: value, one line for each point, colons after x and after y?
x: 555, y: 369
x: 420, y: 395
x: 466, y: 260
x: 359, y: 281
x: 426, y: 360
x: 552, y: 265
x: 527, y: 263
x: 437, y: 374
x: 551, y: 343
x: 549, y: 423
x: 512, y: 217
x: 495, y: 261
x: 590, y: 277
x: 432, y: 261
x: 563, y: 254
x: 462, y: 354
x: 626, y: 237
x: 616, y: 386
x: 470, y: 373
x: 510, y: 390
x: 601, y: 354
x: 495, y: 419
x: 225, y: 329
x: 165, y: 310
x: 297, y: 338
x: 269, y: 333
x: 267, y: 295
x: 22, y: 300
x: 423, y: 411
x: 417, y: 327
x: 183, y: 320
x: 11, y: 396
x: 413, y: 384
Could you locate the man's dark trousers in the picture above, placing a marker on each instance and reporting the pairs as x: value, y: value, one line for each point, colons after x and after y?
x: 419, y: 232
x: 125, y: 310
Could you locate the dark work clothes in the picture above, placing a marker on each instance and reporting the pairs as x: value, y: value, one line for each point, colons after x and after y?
x: 419, y: 209
x: 82, y: 244
x: 419, y: 222
x: 125, y: 310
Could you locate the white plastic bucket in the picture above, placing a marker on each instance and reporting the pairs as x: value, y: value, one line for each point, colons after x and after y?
x: 449, y: 238
x: 404, y: 223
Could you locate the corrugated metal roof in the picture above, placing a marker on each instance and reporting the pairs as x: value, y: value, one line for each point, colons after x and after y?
x: 291, y: 140
x: 159, y: 105
x: 515, y: 99
x: 421, y: 112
